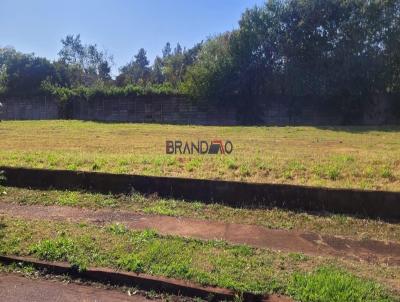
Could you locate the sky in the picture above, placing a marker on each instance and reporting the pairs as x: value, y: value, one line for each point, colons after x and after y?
x: 120, y: 27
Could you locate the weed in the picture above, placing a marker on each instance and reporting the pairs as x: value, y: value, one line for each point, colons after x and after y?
x: 72, y: 167
x: 131, y: 263
x: 117, y: 228
x: 298, y: 257
x: 369, y: 172
x: 161, y: 208
x: 330, y: 171
x: 386, y: 172
x: 245, y: 170
x: 95, y: 167
x: 57, y: 249
x: 295, y: 166
x: 231, y: 163
x: 70, y: 198
x: 343, y: 159
x: 334, y: 285
x: 193, y: 164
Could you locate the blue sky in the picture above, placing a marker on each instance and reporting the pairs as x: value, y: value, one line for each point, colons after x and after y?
x: 119, y: 26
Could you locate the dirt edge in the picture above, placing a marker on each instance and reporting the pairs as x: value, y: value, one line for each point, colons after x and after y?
x: 143, y: 281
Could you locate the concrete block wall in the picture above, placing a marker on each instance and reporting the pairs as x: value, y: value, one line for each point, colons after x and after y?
x: 171, y: 110
x: 178, y: 110
x: 37, y: 108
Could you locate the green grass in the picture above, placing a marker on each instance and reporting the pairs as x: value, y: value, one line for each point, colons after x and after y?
x: 274, y: 218
x: 349, y: 157
x: 207, y: 262
x: 335, y: 285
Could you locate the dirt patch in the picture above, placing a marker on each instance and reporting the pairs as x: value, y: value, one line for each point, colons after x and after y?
x: 256, y: 236
x: 15, y: 288
x: 176, y: 290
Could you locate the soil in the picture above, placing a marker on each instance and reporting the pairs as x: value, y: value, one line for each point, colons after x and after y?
x: 16, y: 288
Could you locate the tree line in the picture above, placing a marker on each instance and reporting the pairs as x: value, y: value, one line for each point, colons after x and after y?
x: 83, y: 66
x: 327, y: 49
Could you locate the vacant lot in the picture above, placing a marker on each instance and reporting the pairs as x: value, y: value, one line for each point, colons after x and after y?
x: 351, y: 157
x: 338, y: 157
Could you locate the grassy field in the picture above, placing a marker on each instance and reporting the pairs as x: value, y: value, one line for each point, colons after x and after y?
x: 207, y: 262
x: 349, y: 157
x: 364, y: 158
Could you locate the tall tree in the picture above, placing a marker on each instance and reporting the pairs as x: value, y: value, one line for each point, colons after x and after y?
x: 22, y: 74
x: 176, y: 64
x: 157, y: 75
x: 136, y: 71
x: 95, y: 64
x: 210, y: 78
x: 166, y: 52
x: 343, y: 50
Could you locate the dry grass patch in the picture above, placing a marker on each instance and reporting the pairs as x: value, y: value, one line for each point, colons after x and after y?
x: 349, y: 157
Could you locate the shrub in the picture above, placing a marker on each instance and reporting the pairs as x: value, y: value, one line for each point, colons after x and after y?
x: 102, y: 91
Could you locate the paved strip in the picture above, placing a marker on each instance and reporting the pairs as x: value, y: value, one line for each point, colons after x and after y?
x: 15, y: 288
x: 256, y: 236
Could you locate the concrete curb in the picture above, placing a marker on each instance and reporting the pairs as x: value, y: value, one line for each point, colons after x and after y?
x: 142, y: 281
x: 374, y: 204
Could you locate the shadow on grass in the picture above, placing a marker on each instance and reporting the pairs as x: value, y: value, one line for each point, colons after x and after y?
x: 361, y: 129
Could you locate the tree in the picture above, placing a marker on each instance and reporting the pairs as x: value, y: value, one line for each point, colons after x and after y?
x: 176, y: 64
x: 157, y: 75
x: 141, y: 59
x: 67, y: 75
x: 72, y: 52
x: 166, y: 52
x: 337, y: 50
x: 135, y: 72
x: 210, y: 78
x: 178, y: 49
x: 22, y: 74
x: 95, y: 64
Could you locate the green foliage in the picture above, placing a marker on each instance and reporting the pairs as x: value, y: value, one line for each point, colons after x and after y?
x: 338, y: 53
x: 386, y: 172
x: 117, y: 228
x: 136, y: 72
x: 88, y: 93
x: 61, y: 249
x: 131, y: 262
x: 70, y: 198
x: 209, y: 77
x: 332, y: 50
x: 168, y: 69
x: 57, y: 249
x: 21, y: 74
x: 334, y: 285
x: 95, y: 64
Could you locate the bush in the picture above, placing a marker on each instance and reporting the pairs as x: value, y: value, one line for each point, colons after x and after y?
x: 88, y: 93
